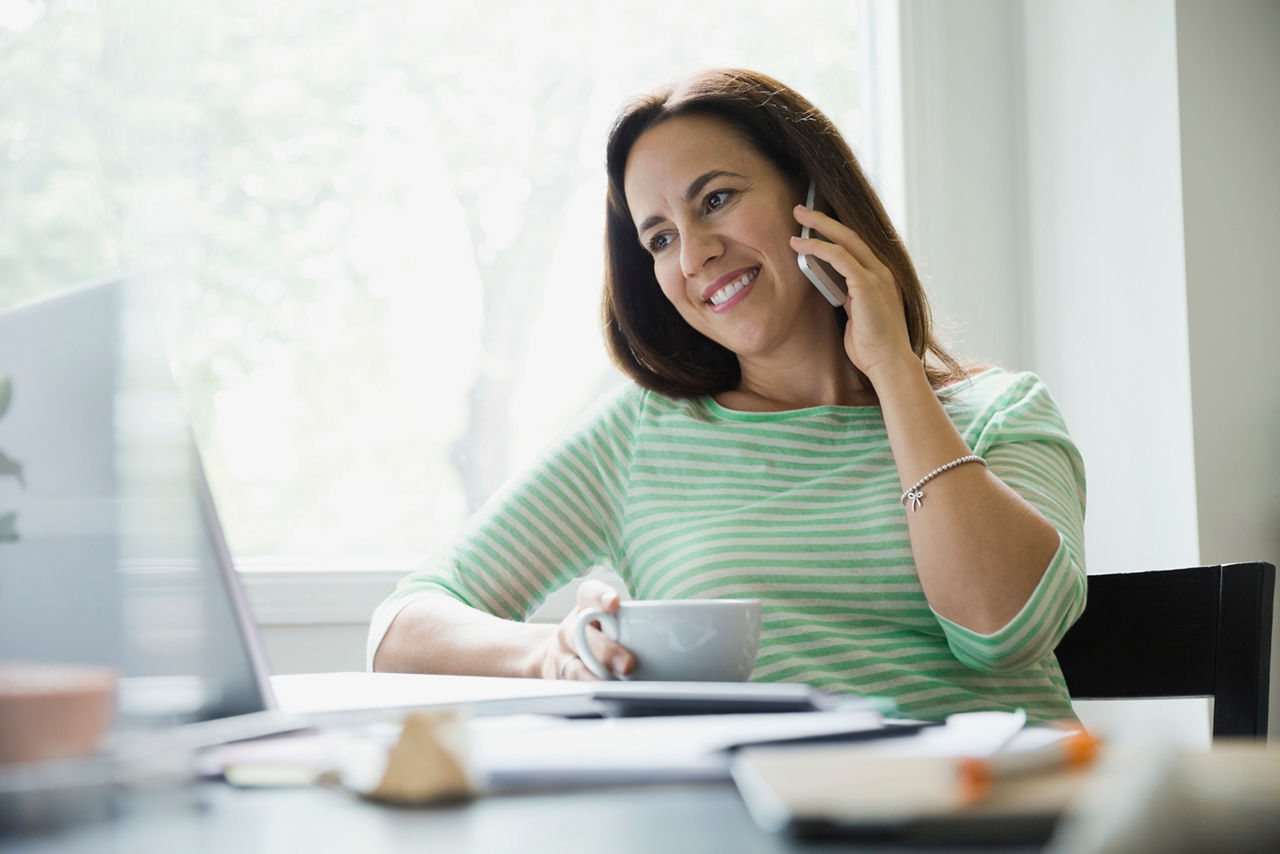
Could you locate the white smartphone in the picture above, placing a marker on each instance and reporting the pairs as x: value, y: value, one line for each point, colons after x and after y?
x: 824, y: 277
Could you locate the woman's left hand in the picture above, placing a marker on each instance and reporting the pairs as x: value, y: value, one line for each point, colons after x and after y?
x: 876, y: 335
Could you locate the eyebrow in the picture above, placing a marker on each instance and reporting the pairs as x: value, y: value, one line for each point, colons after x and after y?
x: 695, y: 187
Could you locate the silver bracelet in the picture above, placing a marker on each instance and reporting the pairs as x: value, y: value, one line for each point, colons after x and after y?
x: 916, y: 496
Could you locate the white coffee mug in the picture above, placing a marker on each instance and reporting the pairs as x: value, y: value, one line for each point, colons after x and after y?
x: 703, y: 640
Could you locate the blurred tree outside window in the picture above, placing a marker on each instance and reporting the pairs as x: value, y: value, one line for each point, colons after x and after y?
x: 378, y: 225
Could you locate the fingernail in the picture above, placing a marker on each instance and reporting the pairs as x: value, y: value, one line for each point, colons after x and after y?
x: 618, y: 665
x: 609, y: 598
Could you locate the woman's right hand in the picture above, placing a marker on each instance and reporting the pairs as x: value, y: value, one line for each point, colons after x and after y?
x: 559, y: 658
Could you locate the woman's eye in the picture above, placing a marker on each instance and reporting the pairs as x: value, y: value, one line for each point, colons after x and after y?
x: 717, y: 200
x: 659, y: 242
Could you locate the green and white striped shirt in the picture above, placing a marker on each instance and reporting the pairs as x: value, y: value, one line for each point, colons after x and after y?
x: 686, y: 499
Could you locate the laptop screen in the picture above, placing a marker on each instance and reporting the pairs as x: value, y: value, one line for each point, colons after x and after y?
x: 110, y: 549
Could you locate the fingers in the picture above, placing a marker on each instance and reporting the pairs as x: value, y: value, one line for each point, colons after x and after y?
x: 613, y: 655
x: 574, y: 668
x: 849, y: 254
x: 838, y: 235
x: 620, y: 661
x: 837, y: 256
x: 594, y: 593
x: 610, y: 653
x: 876, y: 333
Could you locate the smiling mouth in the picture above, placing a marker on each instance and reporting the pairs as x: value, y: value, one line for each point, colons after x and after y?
x: 727, y: 293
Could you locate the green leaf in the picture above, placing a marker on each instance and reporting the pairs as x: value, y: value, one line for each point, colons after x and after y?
x: 11, y: 467
x: 8, y: 527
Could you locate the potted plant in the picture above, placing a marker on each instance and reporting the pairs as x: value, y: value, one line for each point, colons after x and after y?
x: 8, y: 468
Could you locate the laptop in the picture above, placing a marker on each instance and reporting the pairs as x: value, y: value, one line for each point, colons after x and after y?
x: 114, y: 553
x: 111, y: 554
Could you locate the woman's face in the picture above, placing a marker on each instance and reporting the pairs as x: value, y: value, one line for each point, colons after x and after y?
x: 716, y: 217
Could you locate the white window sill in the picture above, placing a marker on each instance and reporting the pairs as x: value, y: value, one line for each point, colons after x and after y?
x: 312, y: 591
x: 293, y: 591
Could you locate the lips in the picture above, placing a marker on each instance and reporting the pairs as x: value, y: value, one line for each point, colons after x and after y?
x: 727, y: 287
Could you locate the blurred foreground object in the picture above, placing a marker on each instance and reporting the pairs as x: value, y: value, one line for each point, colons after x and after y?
x: 427, y: 763
x: 1145, y: 799
x: 54, y: 711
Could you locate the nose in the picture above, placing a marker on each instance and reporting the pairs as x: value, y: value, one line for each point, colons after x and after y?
x: 698, y: 247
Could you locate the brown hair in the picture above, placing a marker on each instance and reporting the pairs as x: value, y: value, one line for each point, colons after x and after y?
x: 647, y: 337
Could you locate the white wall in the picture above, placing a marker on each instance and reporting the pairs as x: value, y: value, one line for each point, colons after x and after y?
x: 962, y: 155
x: 1231, y: 195
x: 1106, y: 278
x: 1229, y: 95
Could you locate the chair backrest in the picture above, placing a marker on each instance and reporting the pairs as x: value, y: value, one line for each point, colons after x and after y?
x: 1198, y: 632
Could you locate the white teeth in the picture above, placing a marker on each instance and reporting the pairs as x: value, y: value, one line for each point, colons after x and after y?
x: 723, y: 295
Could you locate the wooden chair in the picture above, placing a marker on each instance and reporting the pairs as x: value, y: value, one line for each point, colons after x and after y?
x: 1198, y: 632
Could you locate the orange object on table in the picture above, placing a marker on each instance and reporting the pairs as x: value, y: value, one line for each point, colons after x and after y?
x: 54, y: 711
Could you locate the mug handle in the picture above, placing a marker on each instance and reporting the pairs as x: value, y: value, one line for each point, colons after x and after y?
x: 608, y: 625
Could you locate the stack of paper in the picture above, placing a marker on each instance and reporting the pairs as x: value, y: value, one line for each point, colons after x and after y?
x: 515, y: 752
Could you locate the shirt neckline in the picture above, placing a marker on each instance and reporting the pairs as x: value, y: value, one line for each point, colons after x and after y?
x: 723, y: 412
x: 727, y: 414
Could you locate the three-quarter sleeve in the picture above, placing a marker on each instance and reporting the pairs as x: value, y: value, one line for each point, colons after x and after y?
x: 1025, y: 442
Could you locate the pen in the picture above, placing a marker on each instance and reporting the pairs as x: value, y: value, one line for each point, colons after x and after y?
x: 978, y: 774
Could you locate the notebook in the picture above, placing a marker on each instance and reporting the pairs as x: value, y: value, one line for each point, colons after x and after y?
x: 910, y: 790
x: 117, y: 554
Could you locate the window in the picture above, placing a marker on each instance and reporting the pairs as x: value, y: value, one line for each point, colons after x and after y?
x: 380, y: 224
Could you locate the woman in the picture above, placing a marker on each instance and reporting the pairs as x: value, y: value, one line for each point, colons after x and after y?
x: 913, y: 528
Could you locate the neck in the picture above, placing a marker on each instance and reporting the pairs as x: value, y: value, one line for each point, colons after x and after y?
x: 819, y: 376
x: 802, y: 393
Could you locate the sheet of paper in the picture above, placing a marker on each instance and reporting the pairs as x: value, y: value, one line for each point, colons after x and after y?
x: 515, y: 752
x: 320, y: 693
x: 969, y: 734
x: 335, y: 694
